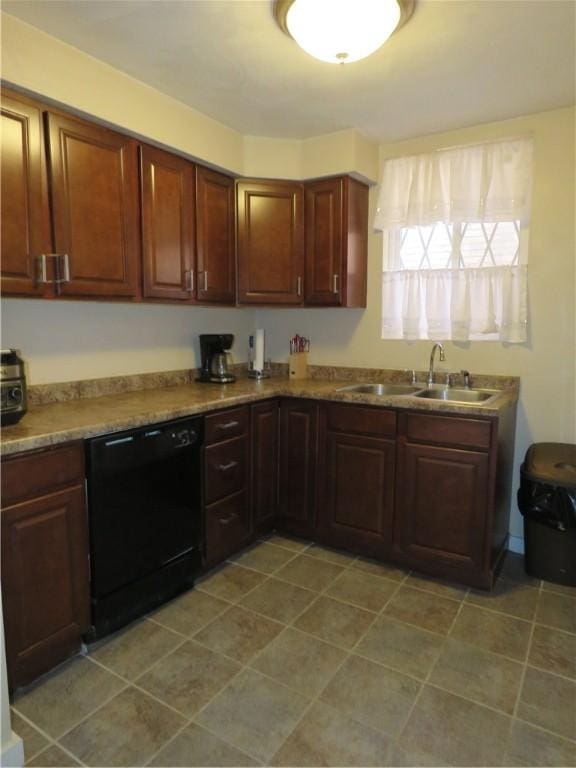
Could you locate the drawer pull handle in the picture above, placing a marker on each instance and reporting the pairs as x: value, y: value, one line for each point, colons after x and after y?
x: 228, y: 425
x: 226, y: 467
x: 229, y: 519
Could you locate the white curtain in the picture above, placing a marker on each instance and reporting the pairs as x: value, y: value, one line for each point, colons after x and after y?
x: 481, y: 183
x: 455, y: 304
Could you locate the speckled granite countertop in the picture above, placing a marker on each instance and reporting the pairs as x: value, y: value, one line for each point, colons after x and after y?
x: 59, y: 422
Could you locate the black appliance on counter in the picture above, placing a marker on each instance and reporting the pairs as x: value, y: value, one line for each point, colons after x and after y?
x: 144, y: 507
x: 213, y: 354
x: 13, y: 404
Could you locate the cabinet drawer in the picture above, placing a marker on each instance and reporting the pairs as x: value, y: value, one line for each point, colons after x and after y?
x: 226, y: 468
x: 365, y: 421
x: 224, y: 425
x: 35, y: 474
x: 227, y: 526
x: 446, y: 430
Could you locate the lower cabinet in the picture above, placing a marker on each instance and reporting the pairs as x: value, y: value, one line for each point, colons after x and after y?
x: 356, y: 478
x: 45, y: 572
x: 445, y: 496
x: 298, y: 458
x: 264, y: 421
x: 227, y: 512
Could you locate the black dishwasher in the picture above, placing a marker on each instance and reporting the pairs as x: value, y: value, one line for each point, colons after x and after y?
x: 144, y: 507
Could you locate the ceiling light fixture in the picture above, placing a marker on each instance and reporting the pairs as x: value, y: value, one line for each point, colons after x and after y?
x: 340, y: 31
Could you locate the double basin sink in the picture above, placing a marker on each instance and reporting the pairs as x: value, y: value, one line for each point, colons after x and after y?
x: 469, y: 396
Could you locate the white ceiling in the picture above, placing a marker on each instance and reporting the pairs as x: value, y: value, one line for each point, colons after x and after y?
x: 455, y: 63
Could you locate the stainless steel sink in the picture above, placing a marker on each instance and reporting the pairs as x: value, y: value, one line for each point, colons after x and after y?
x: 380, y: 389
x: 455, y: 395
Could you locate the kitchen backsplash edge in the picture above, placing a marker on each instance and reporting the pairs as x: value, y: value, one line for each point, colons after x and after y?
x: 61, y: 392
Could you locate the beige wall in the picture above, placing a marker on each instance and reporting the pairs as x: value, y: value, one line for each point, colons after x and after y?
x: 38, y: 62
x: 71, y: 340
x: 546, y: 363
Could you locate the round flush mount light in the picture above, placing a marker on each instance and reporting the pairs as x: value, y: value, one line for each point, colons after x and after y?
x: 341, y: 31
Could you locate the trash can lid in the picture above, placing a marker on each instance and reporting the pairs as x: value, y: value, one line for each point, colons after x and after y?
x: 553, y: 463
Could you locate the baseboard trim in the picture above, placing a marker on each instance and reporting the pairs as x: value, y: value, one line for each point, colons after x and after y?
x: 12, y: 755
x: 516, y: 544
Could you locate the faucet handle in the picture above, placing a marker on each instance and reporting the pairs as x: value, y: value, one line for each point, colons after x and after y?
x: 412, y: 374
x: 466, y: 378
x: 448, y: 379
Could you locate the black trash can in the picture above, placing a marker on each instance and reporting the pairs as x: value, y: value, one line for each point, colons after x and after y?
x: 547, y: 500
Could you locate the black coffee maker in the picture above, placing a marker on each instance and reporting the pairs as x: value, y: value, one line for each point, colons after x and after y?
x: 213, y: 352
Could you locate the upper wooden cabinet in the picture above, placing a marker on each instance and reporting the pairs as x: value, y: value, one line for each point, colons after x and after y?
x: 336, y: 242
x: 73, y: 223
x: 215, y: 237
x: 270, y: 242
x: 93, y: 178
x: 167, y: 197
x: 25, y: 223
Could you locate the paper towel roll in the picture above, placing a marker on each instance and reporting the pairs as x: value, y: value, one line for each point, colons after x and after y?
x: 259, y: 350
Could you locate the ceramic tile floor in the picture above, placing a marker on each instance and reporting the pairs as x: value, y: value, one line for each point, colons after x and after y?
x: 297, y: 655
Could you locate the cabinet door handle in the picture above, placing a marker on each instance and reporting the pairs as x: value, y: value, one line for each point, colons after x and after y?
x: 226, y: 467
x: 335, y: 284
x: 42, y: 262
x: 205, y: 280
x: 65, y: 261
x: 189, y: 277
x: 229, y: 519
x: 299, y: 285
x: 42, y: 275
x: 228, y: 425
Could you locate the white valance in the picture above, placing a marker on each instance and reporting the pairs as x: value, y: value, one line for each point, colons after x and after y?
x: 485, y: 182
x: 455, y: 304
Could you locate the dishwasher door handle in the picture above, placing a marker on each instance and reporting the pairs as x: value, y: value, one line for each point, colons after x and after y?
x: 226, y: 467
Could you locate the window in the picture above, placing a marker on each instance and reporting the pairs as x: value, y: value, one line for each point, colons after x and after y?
x: 455, y: 234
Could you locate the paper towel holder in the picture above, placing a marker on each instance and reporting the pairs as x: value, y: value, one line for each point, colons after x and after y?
x: 255, y: 357
x: 254, y: 374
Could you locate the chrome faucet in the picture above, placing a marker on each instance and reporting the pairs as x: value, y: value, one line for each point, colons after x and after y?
x: 436, y: 346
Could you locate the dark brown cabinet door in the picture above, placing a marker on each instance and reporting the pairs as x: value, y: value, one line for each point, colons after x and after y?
x: 356, y: 505
x: 44, y: 582
x: 324, y: 242
x: 298, y: 458
x: 270, y: 242
x: 93, y: 179
x: 25, y: 223
x: 167, y: 199
x: 442, y: 499
x: 216, y: 277
x: 265, y: 464
x: 336, y: 242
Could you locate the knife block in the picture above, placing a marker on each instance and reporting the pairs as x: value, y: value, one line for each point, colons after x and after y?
x: 298, y: 365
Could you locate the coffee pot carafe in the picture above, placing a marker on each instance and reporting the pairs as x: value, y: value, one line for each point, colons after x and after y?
x: 214, y: 348
x: 219, y: 366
